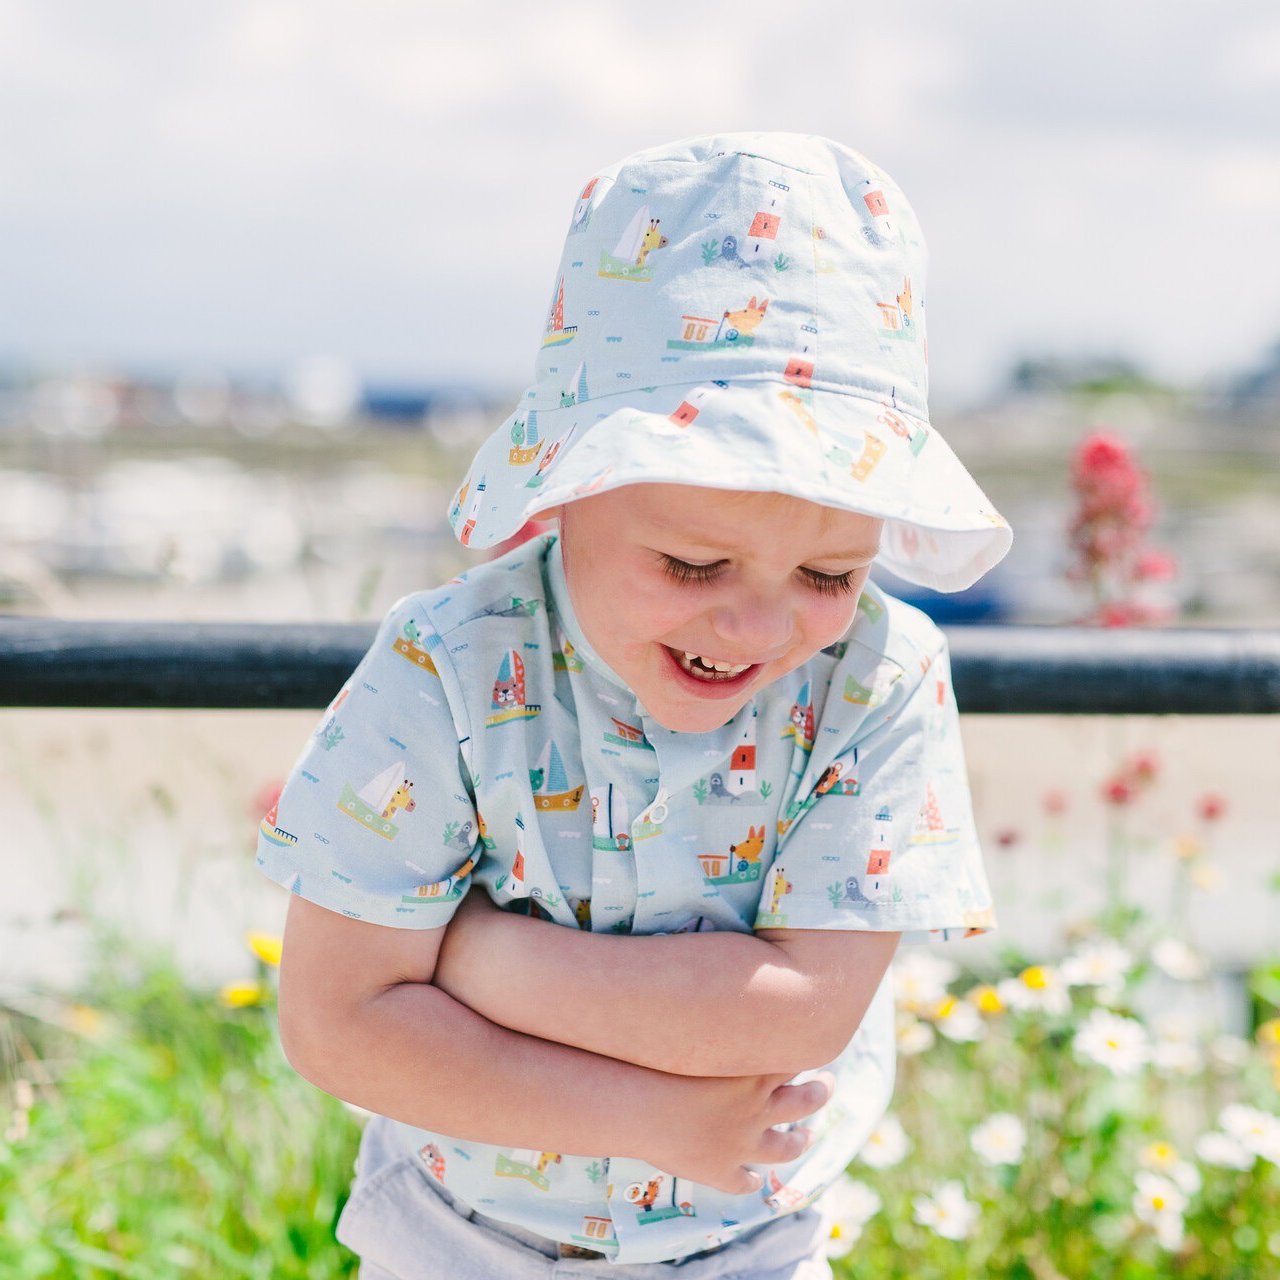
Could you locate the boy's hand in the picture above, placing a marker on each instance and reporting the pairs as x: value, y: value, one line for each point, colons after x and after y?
x: 720, y: 1126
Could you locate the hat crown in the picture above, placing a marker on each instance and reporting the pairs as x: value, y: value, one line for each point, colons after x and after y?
x: 734, y: 257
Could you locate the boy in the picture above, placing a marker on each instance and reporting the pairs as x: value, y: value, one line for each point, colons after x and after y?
x: 703, y: 773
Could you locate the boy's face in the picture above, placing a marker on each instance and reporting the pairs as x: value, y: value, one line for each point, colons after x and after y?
x: 756, y: 580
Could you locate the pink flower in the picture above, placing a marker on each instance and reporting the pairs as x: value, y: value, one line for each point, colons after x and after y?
x: 1144, y: 766
x: 1211, y: 806
x: 264, y: 799
x: 1155, y: 566
x: 1054, y: 801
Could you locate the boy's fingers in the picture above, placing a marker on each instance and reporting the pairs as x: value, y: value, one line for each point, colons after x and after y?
x: 795, y: 1101
x: 779, y: 1146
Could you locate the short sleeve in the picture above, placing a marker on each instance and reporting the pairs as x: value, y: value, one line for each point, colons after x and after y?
x: 377, y: 819
x: 885, y: 839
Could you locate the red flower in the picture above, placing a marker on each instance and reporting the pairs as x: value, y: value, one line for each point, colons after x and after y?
x: 1211, y: 806
x: 1156, y: 566
x: 1118, y: 791
x: 1007, y: 837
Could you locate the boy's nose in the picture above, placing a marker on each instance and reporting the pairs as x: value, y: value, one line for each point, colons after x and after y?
x: 757, y: 628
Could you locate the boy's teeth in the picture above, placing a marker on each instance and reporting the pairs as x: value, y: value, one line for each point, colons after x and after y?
x: 697, y: 665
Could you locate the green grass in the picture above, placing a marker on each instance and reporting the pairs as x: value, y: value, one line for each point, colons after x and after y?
x: 167, y: 1136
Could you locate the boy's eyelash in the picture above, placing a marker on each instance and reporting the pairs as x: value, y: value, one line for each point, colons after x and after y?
x: 682, y: 571
x: 827, y: 584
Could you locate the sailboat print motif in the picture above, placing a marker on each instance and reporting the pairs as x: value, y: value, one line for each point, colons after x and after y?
x: 375, y: 803
x: 557, y: 331
x: 525, y: 442
x: 548, y: 458
x: 508, y: 693
x: 551, y: 783
x: 630, y: 257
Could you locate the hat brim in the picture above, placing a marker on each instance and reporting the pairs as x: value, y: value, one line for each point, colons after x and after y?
x: 826, y: 446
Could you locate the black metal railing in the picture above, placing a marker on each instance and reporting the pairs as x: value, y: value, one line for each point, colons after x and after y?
x: 1004, y: 670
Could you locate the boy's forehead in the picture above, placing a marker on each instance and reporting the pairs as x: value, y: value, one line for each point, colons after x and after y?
x: 723, y: 519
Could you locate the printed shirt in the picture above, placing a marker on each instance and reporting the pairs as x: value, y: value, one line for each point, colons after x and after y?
x: 481, y: 742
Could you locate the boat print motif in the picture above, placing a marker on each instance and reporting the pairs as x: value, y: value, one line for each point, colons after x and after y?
x: 734, y: 328
x: 278, y: 836
x: 610, y: 829
x: 630, y: 257
x: 529, y: 1165
x: 551, y: 789
x: 509, y: 694
x: 558, y: 332
x: 447, y: 890
x: 646, y: 1195
x: 411, y: 645
x: 381, y: 797
x: 741, y: 865
x: 627, y: 735
x: 526, y: 443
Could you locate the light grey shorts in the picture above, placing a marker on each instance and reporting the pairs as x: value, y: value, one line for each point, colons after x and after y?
x: 404, y: 1227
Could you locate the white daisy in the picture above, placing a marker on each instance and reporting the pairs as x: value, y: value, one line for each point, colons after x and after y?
x: 914, y: 1035
x: 1038, y: 989
x: 1159, y: 1202
x: 1229, y: 1053
x: 947, y: 1211
x: 1101, y: 963
x: 1256, y: 1131
x: 958, y: 1020
x: 1178, y: 960
x: 920, y: 978
x: 1176, y: 1057
x: 887, y: 1145
x: 1163, y: 1157
x: 1223, y: 1150
x: 847, y: 1206
x: 999, y: 1139
x: 1117, y: 1043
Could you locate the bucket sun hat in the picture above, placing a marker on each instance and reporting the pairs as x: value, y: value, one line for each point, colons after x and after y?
x: 741, y: 311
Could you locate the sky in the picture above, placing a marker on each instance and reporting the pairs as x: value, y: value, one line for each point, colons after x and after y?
x: 245, y: 184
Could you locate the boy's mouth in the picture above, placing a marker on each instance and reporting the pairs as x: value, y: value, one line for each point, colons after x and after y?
x: 710, y: 675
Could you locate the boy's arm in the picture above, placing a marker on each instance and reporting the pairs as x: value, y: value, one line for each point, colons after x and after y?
x: 693, y: 1004
x: 360, y: 1019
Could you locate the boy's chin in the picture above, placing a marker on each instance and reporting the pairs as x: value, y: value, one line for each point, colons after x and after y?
x: 697, y: 717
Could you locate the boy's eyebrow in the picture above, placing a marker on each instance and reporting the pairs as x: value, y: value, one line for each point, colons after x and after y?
x: 863, y: 553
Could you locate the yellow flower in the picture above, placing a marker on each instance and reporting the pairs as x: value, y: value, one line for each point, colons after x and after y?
x: 239, y: 995
x: 266, y: 946
x: 986, y: 998
x: 1269, y: 1032
x: 1187, y: 846
x: 1159, y: 1155
x: 1034, y: 977
x: 85, y: 1020
x: 1205, y: 875
x: 944, y: 1008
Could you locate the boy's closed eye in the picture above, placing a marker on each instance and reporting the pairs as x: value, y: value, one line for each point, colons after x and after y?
x: 683, y: 571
